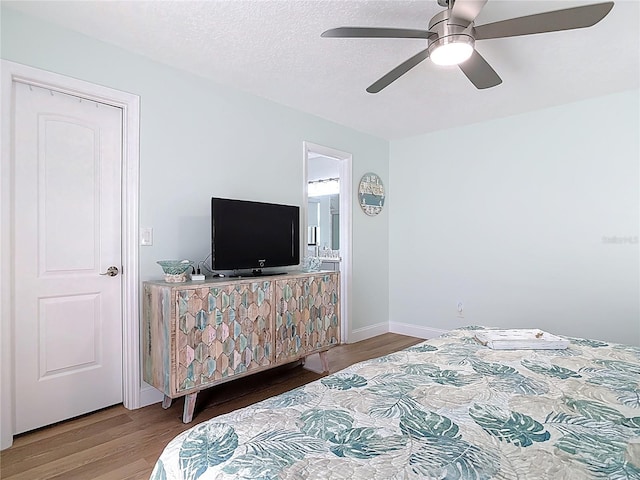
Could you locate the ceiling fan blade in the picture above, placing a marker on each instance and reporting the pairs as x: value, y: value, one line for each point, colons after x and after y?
x: 480, y: 72
x: 376, y: 32
x: 467, y: 9
x: 397, y: 72
x: 567, y: 19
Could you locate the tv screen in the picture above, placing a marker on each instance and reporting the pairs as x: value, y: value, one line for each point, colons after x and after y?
x: 256, y: 235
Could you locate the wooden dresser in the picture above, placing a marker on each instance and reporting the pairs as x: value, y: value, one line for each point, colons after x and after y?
x: 200, y: 334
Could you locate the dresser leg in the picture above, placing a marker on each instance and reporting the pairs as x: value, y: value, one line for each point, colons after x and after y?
x: 189, y: 405
x: 166, y: 402
x: 324, y: 360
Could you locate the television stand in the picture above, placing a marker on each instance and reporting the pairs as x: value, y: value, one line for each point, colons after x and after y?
x: 198, y: 335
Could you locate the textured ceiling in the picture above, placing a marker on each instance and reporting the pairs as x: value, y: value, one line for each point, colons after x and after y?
x: 273, y: 49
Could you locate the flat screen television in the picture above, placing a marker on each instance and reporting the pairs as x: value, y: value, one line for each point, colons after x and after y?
x: 253, y: 235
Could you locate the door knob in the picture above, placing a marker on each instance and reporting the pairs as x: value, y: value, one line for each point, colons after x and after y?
x: 111, y: 272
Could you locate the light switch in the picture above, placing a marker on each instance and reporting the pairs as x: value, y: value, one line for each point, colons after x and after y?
x: 146, y: 236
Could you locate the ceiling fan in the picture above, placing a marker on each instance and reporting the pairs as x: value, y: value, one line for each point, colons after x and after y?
x: 452, y: 34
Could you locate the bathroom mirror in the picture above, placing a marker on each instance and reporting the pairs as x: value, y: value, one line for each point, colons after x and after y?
x: 323, y: 223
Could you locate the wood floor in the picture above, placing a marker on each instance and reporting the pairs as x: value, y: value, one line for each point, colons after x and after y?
x: 120, y: 444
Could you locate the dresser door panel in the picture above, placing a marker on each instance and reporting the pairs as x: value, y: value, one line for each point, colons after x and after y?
x: 220, y: 332
x: 307, y: 315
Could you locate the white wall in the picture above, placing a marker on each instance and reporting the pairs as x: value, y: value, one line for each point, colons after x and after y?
x: 516, y: 218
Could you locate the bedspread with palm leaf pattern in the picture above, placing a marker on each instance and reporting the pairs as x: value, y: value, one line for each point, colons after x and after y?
x: 448, y: 408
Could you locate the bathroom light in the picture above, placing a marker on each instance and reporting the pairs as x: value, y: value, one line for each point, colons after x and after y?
x: 451, y: 53
x: 319, y: 188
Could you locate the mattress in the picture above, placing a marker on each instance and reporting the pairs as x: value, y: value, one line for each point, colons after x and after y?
x: 447, y: 408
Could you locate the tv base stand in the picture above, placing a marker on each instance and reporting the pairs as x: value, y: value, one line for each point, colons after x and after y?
x: 256, y: 273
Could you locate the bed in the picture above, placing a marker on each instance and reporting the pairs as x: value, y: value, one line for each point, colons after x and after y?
x: 447, y: 408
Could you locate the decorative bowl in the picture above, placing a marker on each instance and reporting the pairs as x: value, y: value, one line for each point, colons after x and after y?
x: 175, y: 271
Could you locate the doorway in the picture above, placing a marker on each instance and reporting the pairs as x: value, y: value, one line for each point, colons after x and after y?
x: 327, y: 217
x: 128, y: 106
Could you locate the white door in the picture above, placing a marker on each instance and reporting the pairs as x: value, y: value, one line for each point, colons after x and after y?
x: 66, y: 224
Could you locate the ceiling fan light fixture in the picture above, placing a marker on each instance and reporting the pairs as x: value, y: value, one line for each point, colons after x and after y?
x: 451, y: 52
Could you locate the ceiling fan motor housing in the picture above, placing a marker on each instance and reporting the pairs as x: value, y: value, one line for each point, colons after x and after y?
x: 449, y: 29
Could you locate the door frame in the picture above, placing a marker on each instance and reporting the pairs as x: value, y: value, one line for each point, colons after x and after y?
x: 130, y: 106
x: 346, y: 241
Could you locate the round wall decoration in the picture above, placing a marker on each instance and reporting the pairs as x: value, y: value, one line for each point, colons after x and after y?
x: 371, y: 194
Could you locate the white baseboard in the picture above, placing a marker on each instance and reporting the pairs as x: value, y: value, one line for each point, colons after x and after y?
x: 149, y: 395
x: 367, y: 332
x: 415, y: 330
